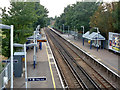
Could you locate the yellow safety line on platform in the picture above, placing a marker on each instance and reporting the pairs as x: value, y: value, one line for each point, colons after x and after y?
x: 99, y: 59
x: 50, y: 69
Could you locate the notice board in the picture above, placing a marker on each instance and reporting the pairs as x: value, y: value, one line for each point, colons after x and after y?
x: 114, y: 42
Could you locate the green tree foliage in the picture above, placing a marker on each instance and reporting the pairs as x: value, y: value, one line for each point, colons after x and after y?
x: 77, y: 15
x: 25, y: 16
x: 116, y: 16
x: 42, y: 16
x: 106, y: 18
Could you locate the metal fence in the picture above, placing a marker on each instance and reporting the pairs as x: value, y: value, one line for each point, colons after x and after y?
x: 5, y: 76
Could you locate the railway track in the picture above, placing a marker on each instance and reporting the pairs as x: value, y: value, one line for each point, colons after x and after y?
x: 82, y: 78
x: 76, y: 65
x: 65, y: 69
x: 101, y: 81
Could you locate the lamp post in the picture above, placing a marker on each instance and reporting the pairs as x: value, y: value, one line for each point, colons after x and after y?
x: 68, y: 30
x: 63, y: 28
x: 11, y: 39
x: 97, y: 35
x: 11, y: 56
x: 83, y: 34
x: 25, y: 53
x: 34, y: 56
x: 38, y: 28
x: 25, y: 66
x: 74, y: 32
x: 83, y: 29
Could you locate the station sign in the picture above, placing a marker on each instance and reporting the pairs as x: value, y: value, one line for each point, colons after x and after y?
x: 37, y: 79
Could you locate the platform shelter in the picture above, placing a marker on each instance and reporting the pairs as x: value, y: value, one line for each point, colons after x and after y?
x: 94, y: 39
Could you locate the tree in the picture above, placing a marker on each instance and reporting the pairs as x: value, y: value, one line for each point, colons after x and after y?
x: 116, y: 17
x: 42, y: 16
x: 105, y: 18
x: 77, y: 15
x: 23, y: 15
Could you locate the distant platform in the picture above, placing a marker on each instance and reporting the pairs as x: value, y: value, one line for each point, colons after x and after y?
x: 109, y: 59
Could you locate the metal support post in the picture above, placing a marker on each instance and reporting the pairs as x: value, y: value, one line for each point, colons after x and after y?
x: 103, y: 44
x: 11, y: 57
x: 34, y: 57
x: 63, y: 28
x: 25, y: 67
x: 97, y: 38
x: 83, y: 41
x: 40, y: 45
x: 36, y: 38
x: 74, y: 32
x: 68, y: 30
x: 91, y: 44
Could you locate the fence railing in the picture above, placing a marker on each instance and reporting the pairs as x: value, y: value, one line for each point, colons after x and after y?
x: 5, y: 76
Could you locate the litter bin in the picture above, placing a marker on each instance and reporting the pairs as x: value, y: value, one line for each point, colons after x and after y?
x: 18, y: 67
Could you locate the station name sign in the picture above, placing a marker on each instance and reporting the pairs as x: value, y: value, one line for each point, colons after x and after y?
x: 37, y: 79
x: 8, y: 61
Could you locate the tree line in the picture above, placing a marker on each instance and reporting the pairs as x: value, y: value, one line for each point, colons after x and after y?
x: 105, y: 16
x: 25, y: 16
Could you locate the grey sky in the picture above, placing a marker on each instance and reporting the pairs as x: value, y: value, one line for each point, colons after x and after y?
x: 55, y: 7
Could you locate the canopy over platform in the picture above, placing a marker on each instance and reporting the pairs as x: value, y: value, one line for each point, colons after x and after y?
x: 2, y: 26
x: 93, y: 36
x: 32, y: 37
x: 86, y: 35
x: 39, y: 38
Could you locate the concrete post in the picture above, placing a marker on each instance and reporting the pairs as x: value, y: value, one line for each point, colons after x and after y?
x: 25, y: 66
x: 11, y: 57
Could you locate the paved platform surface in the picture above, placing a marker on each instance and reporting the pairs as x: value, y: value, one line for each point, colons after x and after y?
x: 107, y: 57
x: 45, y: 67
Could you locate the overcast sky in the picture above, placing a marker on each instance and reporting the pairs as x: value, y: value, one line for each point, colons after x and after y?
x: 55, y: 7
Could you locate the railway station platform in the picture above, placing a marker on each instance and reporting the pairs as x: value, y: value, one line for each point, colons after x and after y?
x: 106, y: 57
x: 45, y: 67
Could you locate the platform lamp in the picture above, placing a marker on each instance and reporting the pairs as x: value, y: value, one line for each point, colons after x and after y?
x: 97, y: 35
x: 63, y: 28
x: 74, y: 32
x: 83, y: 33
x: 11, y: 46
x: 25, y: 53
x: 68, y: 30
